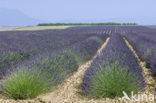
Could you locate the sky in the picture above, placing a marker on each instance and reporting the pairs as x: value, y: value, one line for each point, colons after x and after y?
x: 141, y: 11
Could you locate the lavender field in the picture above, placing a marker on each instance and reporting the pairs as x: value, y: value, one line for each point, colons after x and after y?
x: 94, y: 62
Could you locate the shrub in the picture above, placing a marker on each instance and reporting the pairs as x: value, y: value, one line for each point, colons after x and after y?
x: 60, y: 65
x: 112, y: 80
x: 26, y: 83
x: 9, y: 59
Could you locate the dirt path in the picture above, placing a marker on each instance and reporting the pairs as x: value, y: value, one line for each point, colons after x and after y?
x: 150, y: 81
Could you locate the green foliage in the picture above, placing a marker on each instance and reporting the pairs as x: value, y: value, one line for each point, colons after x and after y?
x: 26, y: 83
x: 4, y: 44
x: 100, y: 41
x: 60, y: 65
x: 112, y: 80
x: 41, y: 77
x: 68, y: 24
x: 148, y: 52
x: 9, y: 59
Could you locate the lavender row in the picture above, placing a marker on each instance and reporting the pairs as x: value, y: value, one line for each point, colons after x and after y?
x: 115, y: 51
x: 17, y: 46
x: 63, y: 62
x: 145, y: 48
x: 48, y: 69
x: 24, y: 41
